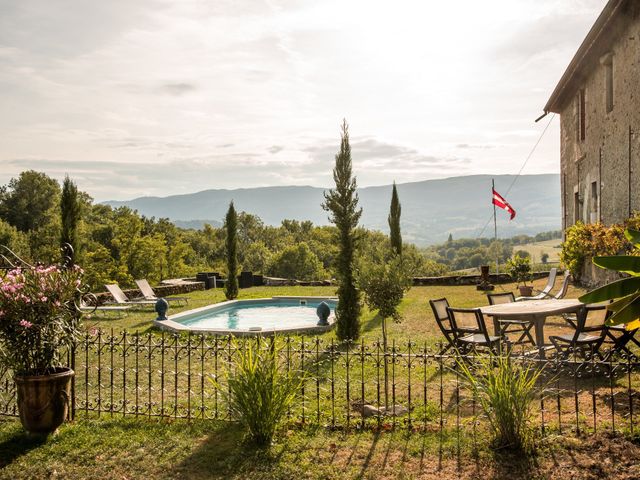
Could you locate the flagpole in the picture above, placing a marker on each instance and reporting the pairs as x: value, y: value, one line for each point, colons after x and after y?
x: 495, y: 225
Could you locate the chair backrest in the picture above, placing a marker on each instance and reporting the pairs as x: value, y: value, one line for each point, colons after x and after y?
x: 551, y: 280
x: 499, y: 298
x: 443, y: 319
x: 117, y: 293
x: 563, y: 289
x: 591, y: 319
x: 145, y: 288
x: 465, y: 320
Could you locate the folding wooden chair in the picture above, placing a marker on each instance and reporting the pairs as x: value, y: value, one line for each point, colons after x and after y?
x: 466, y: 320
x: 443, y: 320
x: 523, y: 327
x: 588, y: 335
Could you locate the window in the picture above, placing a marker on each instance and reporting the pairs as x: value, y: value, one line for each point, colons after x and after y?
x: 607, y: 63
x: 594, y: 202
x: 581, y: 104
x: 576, y: 207
x: 608, y: 80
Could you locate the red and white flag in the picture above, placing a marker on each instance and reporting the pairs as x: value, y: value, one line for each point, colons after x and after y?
x: 500, y: 202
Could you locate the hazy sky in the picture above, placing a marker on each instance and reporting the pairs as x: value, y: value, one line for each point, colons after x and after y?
x: 155, y: 97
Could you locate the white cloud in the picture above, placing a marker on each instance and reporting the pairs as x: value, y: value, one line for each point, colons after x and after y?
x: 187, y: 91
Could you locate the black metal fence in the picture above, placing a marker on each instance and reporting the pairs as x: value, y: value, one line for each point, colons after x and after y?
x: 185, y: 377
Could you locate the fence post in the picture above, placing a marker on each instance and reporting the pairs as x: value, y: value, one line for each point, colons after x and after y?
x: 73, y: 380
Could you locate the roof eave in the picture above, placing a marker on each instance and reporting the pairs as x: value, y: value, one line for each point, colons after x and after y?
x: 556, y: 99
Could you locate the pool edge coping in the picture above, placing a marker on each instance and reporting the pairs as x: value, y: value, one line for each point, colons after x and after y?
x: 171, y: 325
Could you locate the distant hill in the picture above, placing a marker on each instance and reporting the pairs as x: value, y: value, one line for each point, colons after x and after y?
x: 431, y: 209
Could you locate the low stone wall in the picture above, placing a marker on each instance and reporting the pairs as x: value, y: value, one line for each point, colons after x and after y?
x: 592, y: 276
x: 290, y: 282
x: 189, y: 285
x: 453, y: 280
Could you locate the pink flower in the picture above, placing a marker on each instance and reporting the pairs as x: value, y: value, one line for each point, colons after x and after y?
x: 26, y: 324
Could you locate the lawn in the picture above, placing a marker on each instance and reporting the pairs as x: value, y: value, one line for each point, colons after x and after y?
x: 152, y: 449
x: 444, y: 442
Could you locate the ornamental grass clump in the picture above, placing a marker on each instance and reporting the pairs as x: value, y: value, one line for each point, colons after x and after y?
x: 505, y: 389
x: 260, y: 389
x: 38, y: 315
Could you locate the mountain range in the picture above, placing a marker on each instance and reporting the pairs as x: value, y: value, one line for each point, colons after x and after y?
x: 431, y: 209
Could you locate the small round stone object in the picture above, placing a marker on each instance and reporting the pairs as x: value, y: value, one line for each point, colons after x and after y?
x: 161, y: 309
x: 323, y: 311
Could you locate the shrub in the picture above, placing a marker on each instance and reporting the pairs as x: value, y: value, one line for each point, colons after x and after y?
x: 37, y: 316
x: 589, y: 240
x: 519, y: 268
x: 261, y: 390
x: 505, y: 390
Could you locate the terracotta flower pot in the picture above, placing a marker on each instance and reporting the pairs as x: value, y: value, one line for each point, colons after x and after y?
x: 43, y: 400
x: 525, y: 290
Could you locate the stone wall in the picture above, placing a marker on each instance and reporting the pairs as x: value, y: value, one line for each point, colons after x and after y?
x: 608, y: 158
x: 469, y: 279
x: 592, y: 276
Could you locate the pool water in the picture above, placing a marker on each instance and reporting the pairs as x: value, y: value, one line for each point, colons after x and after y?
x: 256, y: 315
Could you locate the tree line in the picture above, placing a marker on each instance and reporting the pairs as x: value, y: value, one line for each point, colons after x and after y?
x: 120, y: 245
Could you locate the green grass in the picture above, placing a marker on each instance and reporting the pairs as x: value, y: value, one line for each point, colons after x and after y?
x: 152, y: 449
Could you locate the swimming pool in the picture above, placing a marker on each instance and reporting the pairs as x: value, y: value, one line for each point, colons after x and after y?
x: 251, y: 317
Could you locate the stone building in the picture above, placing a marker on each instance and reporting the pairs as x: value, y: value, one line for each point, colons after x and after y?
x: 598, y: 99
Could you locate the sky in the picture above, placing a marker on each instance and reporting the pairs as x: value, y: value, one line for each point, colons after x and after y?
x: 158, y: 97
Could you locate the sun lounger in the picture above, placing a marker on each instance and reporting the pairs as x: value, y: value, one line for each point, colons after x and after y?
x: 148, y: 293
x: 121, y: 299
x: 546, y: 291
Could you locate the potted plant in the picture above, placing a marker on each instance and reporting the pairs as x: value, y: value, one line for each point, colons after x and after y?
x: 38, y: 315
x: 519, y: 268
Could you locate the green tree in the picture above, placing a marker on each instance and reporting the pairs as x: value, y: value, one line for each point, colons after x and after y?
x: 11, y: 238
x: 257, y: 258
x: 384, y: 285
x: 27, y: 202
x: 299, y: 262
x: 231, y: 243
x: 342, y: 203
x: 70, y: 216
x: 394, y: 222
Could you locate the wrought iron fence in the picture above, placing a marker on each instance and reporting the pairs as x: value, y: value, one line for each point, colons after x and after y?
x: 344, y: 384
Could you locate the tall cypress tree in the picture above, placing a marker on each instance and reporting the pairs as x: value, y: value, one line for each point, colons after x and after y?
x: 394, y: 222
x: 231, y: 243
x: 70, y: 215
x: 342, y: 203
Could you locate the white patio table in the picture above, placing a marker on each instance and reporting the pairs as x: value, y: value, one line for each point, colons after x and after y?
x: 535, y: 311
